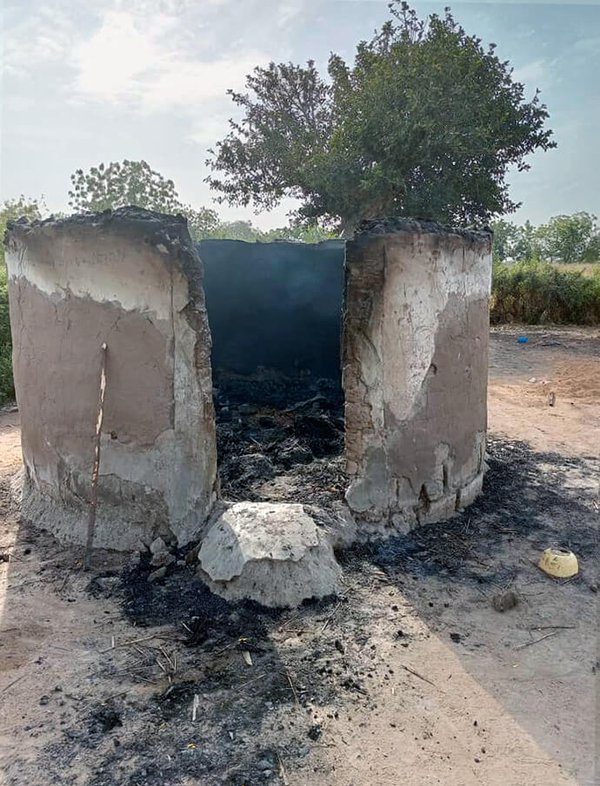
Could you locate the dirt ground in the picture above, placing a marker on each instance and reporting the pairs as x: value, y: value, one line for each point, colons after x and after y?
x: 410, y: 676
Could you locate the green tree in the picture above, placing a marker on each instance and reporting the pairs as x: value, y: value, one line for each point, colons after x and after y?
x: 136, y: 183
x: 202, y: 222
x: 506, y: 235
x: 304, y: 233
x: 570, y: 238
x: 11, y: 210
x: 121, y: 184
x: 235, y: 230
x: 426, y: 122
x: 592, y: 252
x: 527, y: 244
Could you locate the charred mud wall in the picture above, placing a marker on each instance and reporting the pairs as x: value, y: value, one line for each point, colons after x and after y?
x: 276, y: 306
x: 415, y: 370
x: 132, y: 279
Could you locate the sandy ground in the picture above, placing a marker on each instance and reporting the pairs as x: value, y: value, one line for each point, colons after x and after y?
x: 411, y: 676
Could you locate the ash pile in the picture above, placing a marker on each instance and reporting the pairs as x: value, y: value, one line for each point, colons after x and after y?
x: 280, y: 438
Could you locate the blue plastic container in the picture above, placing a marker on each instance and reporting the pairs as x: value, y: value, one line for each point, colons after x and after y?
x: 522, y: 339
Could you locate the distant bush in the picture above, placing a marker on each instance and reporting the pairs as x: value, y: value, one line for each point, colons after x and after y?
x: 7, y: 390
x: 538, y: 292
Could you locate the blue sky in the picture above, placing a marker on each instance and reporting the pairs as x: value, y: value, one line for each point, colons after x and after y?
x: 85, y: 82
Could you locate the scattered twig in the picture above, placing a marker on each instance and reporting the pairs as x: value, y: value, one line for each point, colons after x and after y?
x: 132, y: 642
x: 330, y: 617
x: 102, y: 700
x: 537, y: 641
x: 282, y: 772
x: 420, y: 676
x: 195, y: 706
x: 255, y: 679
x: 294, y: 618
x: 554, y: 627
x: 96, y: 465
x: 14, y: 682
x: 229, y: 646
x: 140, y: 677
x: 289, y: 679
x: 172, y: 663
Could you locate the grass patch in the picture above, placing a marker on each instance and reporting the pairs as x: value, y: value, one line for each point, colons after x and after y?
x: 587, y: 268
x: 537, y: 293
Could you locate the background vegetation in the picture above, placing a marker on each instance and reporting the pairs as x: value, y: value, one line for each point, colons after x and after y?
x: 533, y: 293
x: 425, y: 121
x: 565, y: 239
x: 548, y: 273
x: 541, y: 274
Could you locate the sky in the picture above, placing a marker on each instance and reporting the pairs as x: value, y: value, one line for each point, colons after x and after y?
x: 89, y: 82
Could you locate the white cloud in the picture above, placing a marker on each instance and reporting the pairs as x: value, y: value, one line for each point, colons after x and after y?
x: 115, y: 56
x: 207, y: 129
x: 536, y: 71
x: 183, y: 83
x: 142, y: 60
x: 288, y: 11
x: 37, y: 39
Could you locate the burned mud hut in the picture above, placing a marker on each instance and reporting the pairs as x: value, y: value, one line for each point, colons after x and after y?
x: 350, y: 377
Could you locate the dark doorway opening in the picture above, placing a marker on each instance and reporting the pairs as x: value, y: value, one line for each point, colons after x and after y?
x: 275, y: 313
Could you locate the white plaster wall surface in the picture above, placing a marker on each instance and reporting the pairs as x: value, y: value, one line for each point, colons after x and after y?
x: 422, y: 272
x: 422, y: 296
x: 107, y: 272
x: 133, y: 291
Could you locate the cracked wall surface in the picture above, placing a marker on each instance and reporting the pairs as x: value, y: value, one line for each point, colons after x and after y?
x: 415, y: 365
x: 132, y: 279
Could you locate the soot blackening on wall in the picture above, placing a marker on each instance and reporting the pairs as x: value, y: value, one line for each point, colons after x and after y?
x: 275, y: 306
x: 275, y: 314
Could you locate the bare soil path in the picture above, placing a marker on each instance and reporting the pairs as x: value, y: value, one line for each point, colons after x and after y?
x: 410, y: 676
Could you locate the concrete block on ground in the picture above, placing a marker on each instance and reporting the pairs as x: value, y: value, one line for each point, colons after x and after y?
x: 273, y: 553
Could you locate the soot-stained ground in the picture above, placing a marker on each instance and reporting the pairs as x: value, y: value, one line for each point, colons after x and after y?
x: 280, y: 439
x: 214, y: 692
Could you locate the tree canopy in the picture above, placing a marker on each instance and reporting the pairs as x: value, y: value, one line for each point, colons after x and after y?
x: 573, y: 238
x: 13, y: 209
x: 119, y: 184
x: 426, y: 122
x: 108, y: 187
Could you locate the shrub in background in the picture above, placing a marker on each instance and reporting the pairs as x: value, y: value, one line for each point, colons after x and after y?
x: 535, y: 293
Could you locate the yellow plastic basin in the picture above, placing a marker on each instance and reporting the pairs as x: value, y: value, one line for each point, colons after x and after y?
x: 560, y: 563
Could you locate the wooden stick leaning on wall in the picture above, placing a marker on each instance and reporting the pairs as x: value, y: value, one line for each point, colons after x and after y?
x: 96, y: 466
